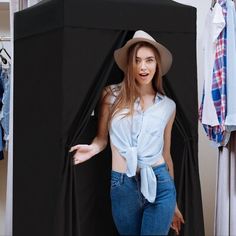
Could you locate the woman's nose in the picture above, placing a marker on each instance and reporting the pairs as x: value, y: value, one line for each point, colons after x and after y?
x: 143, y: 65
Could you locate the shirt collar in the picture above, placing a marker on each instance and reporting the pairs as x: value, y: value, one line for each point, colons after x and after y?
x: 158, y: 98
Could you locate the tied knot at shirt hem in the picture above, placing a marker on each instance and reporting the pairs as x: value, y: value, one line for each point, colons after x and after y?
x: 148, y: 177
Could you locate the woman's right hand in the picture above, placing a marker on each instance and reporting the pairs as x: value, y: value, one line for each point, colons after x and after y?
x: 83, y: 152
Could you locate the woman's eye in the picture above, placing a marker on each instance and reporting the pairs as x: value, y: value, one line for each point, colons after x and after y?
x: 150, y: 60
x: 138, y: 61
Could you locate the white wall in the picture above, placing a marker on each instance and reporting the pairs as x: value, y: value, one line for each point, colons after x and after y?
x: 207, y: 154
x: 3, y: 174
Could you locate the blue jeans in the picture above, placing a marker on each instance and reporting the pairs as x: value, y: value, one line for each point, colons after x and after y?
x: 133, y: 214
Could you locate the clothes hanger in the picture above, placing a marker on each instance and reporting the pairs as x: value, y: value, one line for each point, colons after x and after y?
x: 3, y: 48
x: 4, y: 60
x: 213, y: 4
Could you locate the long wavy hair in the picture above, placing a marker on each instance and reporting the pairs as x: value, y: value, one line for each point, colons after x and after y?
x: 129, y: 90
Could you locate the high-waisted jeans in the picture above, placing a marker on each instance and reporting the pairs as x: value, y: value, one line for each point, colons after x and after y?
x: 133, y: 214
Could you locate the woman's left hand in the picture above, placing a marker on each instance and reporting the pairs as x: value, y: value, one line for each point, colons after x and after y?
x: 177, y: 220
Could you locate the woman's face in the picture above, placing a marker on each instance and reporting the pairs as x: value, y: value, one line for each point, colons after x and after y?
x: 145, y: 65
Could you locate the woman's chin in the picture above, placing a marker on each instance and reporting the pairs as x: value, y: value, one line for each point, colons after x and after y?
x: 144, y: 81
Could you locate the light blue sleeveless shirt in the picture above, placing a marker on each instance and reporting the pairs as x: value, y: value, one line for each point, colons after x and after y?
x: 140, y: 139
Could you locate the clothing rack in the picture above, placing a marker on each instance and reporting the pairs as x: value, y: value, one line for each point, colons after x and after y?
x: 5, y: 38
x: 213, y: 2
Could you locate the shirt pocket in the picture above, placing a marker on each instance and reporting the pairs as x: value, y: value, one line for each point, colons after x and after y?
x: 154, y: 126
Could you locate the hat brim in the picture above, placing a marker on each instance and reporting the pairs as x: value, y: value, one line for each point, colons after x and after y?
x: 120, y: 54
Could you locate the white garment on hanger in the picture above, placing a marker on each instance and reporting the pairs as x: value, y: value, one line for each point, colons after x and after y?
x: 225, y: 205
x: 215, y: 23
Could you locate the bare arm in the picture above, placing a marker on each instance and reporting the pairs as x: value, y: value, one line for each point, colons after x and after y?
x: 84, y: 151
x: 100, y: 141
x: 167, y: 144
x: 178, y: 218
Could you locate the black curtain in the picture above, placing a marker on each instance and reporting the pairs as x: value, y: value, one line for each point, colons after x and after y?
x: 62, y: 62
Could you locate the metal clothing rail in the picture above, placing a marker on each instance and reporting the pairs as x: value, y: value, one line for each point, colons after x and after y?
x: 5, y: 38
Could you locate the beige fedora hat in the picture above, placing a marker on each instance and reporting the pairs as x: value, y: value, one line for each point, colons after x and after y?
x: 120, y: 54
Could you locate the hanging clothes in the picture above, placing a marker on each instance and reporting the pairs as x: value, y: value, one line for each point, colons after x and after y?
x: 4, y: 113
x: 212, y: 111
x: 1, y: 95
x: 225, y: 215
x: 230, y: 121
x: 5, y: 97
x: 215, y: 23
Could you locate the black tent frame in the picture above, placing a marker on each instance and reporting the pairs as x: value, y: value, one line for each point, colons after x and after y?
x: 63, y: 59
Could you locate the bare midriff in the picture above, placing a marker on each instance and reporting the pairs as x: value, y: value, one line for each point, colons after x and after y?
x: 119, y: 162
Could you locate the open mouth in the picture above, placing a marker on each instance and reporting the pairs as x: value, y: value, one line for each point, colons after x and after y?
x: 144, y: 75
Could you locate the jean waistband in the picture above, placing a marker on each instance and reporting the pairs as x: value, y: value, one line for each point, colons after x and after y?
x: 155, y: 169
x: 159, y: 167
x: 160, y: 160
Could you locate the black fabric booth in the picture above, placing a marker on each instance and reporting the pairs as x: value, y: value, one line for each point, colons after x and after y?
x: 63, y: 59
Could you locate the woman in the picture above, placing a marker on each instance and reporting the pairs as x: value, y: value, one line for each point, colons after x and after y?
x: 139, y: 119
